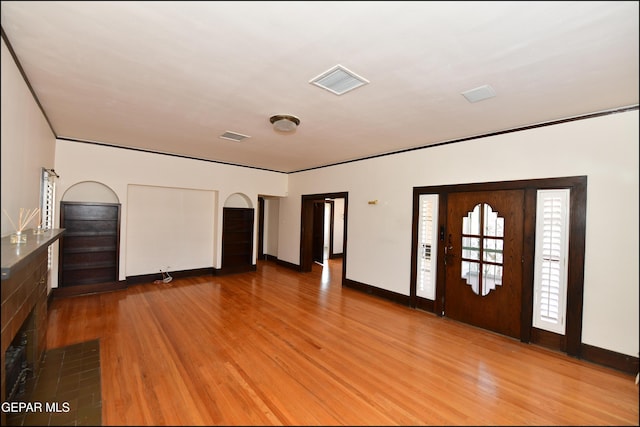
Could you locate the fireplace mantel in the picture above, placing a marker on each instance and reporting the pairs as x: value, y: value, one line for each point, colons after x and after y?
x: 14, y: 256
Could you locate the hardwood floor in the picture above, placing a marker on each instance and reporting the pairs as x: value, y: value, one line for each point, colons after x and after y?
x: 276, y: 347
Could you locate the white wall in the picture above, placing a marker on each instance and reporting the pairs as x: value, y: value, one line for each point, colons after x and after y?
x: 271, y: 215
x: 379, y: 236
x: 169, y: 229
x: 28, y: 145
x: 120, y: 168
x: 338, y: 226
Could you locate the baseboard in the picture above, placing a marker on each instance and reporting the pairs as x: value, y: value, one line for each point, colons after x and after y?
x: 289, y: 265
x: 72, y: 291
x: 235, y: 270
x: 382, y: 293
x: 610, y: 359
x: 150, y: 278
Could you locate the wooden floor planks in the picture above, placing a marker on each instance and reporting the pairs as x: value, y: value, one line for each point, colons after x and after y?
x: 277, y: 347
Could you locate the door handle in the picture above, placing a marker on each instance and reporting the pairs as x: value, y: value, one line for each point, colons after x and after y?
x: 448, y: 249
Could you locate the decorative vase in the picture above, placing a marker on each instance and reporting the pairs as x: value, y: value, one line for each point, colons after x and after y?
x: 18, y: 238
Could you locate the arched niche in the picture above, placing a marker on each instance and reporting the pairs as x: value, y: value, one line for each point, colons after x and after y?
x: 90, y: 191
x: 89, y: 254
x: 238, y: 200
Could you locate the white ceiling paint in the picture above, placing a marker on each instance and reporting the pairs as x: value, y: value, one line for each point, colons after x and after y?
x: 171, y: 77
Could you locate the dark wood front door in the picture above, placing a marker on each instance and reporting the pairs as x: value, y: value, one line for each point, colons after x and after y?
x: 483, y: 258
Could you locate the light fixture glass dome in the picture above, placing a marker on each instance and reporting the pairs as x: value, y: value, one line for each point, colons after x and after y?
x: 284, y: 122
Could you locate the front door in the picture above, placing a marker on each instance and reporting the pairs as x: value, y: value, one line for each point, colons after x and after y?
x: 483, y: 258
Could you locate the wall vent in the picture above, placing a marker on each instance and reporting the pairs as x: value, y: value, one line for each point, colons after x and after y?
x: 339, y: 80
x: 233, y: 136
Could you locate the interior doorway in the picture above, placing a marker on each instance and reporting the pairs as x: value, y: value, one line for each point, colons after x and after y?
x: 315, y: 225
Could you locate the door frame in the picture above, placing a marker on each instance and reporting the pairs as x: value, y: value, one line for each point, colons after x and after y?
x: 319, y: 220
x: 571, y: 341
x: 306, y: 228
x: 260, y: 254
x: 332, y: 207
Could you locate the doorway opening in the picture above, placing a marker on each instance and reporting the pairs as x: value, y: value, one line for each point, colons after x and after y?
x: 323, y: 232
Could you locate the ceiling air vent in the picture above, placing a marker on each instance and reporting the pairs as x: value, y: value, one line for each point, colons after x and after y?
x: 339, y: 80
x: 232, y: 136
x: 479, y: 93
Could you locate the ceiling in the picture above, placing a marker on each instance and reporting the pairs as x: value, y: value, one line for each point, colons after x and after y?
x: 171, y: 77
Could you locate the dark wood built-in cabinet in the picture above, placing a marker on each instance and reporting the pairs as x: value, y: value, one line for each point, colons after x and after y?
x: 89, y: 249
x: 237, y: 240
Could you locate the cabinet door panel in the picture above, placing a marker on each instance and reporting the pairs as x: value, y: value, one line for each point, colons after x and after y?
x: 237, y: 239
x: 89, y: 248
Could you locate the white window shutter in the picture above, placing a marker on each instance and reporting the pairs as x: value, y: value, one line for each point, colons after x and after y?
x: 427, y: 246
x: 47, y: 204
x: 552, y: 246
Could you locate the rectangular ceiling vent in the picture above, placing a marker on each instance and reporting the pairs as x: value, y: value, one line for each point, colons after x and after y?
x: 232, y: 136
x: 339, y: 80
x: 479, y: 94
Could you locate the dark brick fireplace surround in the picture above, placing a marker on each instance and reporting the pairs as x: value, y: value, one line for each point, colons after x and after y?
x: 24, y: 297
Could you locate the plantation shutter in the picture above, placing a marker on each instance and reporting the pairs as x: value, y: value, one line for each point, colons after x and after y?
x: 550, y: 275
x: 427, y: 246
x: 47, y: 199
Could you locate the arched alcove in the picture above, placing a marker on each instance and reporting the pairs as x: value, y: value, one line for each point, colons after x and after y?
x: 90, y: 246
x: 238, y: 200
x: 90, y: 191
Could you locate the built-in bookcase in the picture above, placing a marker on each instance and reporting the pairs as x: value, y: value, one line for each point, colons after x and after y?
x: 90, y: 245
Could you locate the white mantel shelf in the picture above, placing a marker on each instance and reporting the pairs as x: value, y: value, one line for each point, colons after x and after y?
x: 15, y: 255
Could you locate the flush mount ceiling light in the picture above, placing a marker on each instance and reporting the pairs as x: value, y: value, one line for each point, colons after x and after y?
x: 284, y: 122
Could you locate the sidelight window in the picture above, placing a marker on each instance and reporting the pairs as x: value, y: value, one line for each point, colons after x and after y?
x: 427, y: 246
x: 552, y: 247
